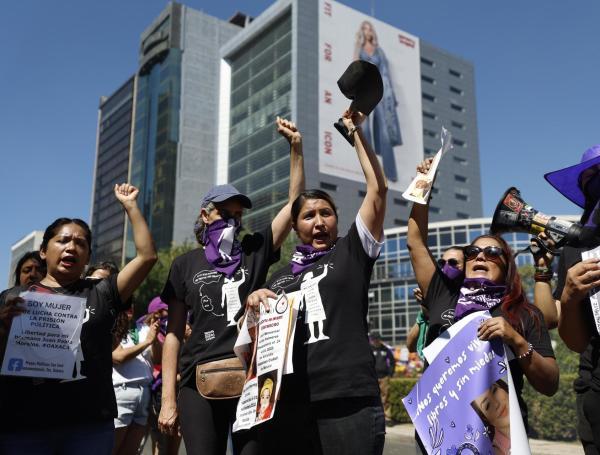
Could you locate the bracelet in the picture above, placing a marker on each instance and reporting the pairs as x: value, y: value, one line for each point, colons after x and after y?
x: 542, y: 270
x: 353, y: 130
x: 526, y: 354
x: 543, y: 277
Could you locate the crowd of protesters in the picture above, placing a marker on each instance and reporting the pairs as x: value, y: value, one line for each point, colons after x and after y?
x: 139, y: 376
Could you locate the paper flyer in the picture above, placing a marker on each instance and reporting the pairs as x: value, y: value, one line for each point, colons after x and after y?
x: 420, y: 188
x: 44, y: 340
x: 465, y: 401
x: 594, y: 293
x: 263, y: 344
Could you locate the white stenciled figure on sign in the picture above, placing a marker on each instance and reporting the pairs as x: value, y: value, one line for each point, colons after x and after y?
x: 79, y: 353
x: 231, y: 293
x: 315, y: 312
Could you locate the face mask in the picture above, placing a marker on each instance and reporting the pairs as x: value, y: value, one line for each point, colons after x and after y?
x: 451, y: 272
x: 221, y: 246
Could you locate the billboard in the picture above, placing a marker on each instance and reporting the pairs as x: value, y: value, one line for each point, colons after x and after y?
x: 395, y: 127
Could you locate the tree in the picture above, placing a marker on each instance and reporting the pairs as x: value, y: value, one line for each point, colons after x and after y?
x: 287, y: 250
x: 156, y: 279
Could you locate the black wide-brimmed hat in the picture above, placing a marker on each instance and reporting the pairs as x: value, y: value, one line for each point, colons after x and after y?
x: 361, y: 82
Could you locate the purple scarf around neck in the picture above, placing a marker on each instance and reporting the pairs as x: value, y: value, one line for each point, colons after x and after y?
x: 305, y: 256
x: 478, y: 294
x: 221, y: 247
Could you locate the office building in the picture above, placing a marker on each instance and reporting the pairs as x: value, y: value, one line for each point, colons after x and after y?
x: 393, y: 308
x: 113, y: 147
x: 31, y: 242
x: 286, y: 63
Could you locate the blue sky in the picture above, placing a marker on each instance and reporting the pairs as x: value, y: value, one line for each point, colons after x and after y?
x: 536, y: 71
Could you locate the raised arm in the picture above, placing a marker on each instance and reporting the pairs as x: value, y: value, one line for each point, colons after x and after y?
x: 416, y: 238
x: 138, y: 268
x: 282, y: 223
x: 121, y: 354
x: 573, y: 327
x: 168, y: 418
x: 372, y: 209
x: 542, y: 290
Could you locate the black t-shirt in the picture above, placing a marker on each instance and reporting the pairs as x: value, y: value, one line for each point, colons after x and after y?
x: 342, y: 364
x: 441, y: 300
x: 589, y: 365
x: 206, y: 292
x: 27, y: 403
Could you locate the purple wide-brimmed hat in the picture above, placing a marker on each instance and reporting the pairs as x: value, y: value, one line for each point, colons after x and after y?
x: 566, y: 180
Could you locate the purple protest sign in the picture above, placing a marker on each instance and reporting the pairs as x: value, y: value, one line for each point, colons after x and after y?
x: 460, y: 405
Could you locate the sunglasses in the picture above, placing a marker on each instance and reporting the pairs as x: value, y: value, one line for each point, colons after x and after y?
x: 451, y: 262
x: 491, y: 253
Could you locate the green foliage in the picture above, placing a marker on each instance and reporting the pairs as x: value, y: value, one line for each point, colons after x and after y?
x: 154, y: 282
x: 287, y: 249
x: 553, y: 418
x: 399, y: 388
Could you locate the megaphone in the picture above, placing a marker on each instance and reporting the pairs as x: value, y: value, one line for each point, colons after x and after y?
x: 513, y: 214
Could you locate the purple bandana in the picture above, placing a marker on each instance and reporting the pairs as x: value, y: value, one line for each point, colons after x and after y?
x: 305, y: 256
x: 451, y: 272
x: 478, y: 294
x: 221, y: 247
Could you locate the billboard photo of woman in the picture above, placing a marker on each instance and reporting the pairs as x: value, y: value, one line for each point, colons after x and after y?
x: 382, y: 128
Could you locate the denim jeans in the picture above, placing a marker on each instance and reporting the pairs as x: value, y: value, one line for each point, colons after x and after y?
x: 350, y: 426
x: 344, y: 426
x: 86, y: 438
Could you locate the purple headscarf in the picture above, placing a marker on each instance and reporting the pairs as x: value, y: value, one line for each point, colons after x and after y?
x: 478, y: 294
x: 305, y: 256
x: 221, y: 247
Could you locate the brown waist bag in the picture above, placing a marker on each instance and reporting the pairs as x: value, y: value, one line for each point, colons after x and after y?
x: 220, y: 379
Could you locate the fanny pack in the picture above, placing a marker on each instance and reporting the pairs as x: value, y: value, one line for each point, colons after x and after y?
x: 220, y: 379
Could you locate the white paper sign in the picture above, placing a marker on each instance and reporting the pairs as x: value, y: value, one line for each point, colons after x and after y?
x: 44, y: 341
x: 594, y: 293
x: 420, y: 188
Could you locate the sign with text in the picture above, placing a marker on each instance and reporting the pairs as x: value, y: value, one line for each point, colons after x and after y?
x: 43, y: 341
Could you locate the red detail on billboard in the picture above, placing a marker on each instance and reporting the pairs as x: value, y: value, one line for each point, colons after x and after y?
x: 327, y: 9
x: 328, y: 52
x: 328, y: 142
x: 406, y: 41
x: 328, y: 96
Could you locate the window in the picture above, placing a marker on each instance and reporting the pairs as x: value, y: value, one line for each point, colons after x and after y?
x: 429, y: 133
x: 427, y: 79
x: 456, y: 90
x: 458, y: 125
x: 430, y: 115
x: 399, y: 222
x: 458, y: 142
x: 460, y: 178
x: 434, y: 190
x: 401, y: 202
x: 428, y: 97
x: 462, y: 216
x: 426, y: 61
x: 461, y: 197
x: 433, y: 209
x: 328, y: 186
x: 455, y: 73
x: 457, y: 107
x: 429, y: 152
x: 460, y: 160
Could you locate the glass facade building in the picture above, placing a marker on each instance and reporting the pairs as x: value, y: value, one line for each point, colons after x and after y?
x: 261, y: 85
x: 271, y: 68
x: 393, y: 309
x: 115, y: 116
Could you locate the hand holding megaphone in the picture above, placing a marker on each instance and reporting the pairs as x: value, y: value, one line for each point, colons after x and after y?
x: 513, y: 214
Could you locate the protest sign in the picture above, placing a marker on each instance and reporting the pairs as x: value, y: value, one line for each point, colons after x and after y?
x: 465, y: 401
x: 594, y: 293
x: 44, y: 340
x: 420, y: 188
x: 263, y: 345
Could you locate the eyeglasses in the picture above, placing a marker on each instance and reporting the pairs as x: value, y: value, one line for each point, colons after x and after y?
x: 451, y: 262
x: 491, y: 253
